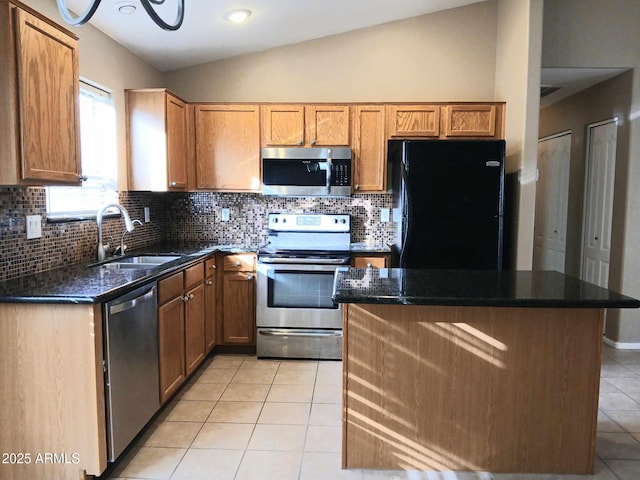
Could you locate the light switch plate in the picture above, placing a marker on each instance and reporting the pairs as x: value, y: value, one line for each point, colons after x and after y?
x: 34, y: 226
x: 224, y: 213
x: 384, y: 214
x: 147, y: 215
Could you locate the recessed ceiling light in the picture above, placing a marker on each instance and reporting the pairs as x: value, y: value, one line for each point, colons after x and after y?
x: 237, y: 16
x: 125, y: 8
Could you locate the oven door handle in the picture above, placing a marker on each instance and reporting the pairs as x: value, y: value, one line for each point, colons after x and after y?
x: 303, y: 261
x: 307, y: 333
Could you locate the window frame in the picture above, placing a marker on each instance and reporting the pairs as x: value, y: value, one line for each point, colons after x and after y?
x: 104, y: 95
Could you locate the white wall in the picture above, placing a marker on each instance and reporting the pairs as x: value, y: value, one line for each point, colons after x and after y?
x: 519, y: 43
x: 110, y: 65
x: 606, y: 33
x: 444, y: 56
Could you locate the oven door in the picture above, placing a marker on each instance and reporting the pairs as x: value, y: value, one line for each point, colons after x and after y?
x: 296, y: 296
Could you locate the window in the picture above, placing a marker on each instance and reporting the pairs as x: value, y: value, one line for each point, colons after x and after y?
x: 98, y: 149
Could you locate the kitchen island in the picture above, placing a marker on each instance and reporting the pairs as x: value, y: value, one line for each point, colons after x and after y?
x: 471, y: 370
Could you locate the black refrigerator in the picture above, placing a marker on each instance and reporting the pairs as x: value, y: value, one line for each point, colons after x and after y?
x: 448, y: 203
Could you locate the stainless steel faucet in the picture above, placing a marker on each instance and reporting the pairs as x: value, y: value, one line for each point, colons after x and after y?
x: 127, y: 222
x: 122, y: 248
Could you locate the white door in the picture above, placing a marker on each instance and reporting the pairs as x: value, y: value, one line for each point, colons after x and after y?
x: 552, y: 196
x: 600, y: 172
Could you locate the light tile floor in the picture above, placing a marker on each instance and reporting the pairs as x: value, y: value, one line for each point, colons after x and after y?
x: 241, y: 418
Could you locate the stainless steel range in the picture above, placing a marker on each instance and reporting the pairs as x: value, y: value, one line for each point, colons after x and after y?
x: 295, y: 315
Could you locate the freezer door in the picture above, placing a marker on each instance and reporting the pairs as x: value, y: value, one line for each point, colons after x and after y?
x: 458, y: 243
x: 454, y: 178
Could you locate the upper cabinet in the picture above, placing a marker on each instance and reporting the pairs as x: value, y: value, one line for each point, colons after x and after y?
x: 369, y: 144
x: 413, y: 120
x: 305, y: 125
x: 477, y: 120
x: 158, y: 148
x: 228, y: 147
x: 442, y: 121
x: 39, y: 90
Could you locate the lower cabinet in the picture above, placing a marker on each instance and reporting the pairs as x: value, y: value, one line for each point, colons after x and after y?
x: 181, y: 327
x: 238, y: 311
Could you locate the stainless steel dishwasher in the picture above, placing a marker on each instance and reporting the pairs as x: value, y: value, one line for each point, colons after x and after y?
x: 131, y: 363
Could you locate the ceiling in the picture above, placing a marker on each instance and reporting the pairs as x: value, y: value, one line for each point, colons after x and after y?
x: 206, y: 36
x: 571, y: 80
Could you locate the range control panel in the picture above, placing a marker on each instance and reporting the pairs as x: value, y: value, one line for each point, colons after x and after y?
x: 309, y: 222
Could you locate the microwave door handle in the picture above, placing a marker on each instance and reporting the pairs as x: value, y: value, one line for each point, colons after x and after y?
x: 329, y: 168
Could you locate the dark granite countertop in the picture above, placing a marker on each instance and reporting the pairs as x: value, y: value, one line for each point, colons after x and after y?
x: 472, y: 288
x: 84, y: 283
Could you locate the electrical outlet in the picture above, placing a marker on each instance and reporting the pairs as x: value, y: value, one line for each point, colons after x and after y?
x: 384, y: 214
x: 224, y: 213
x: 34, y: 226
x: 147, y: 215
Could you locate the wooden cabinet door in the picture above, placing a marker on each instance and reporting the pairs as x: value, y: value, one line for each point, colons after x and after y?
x: 283, y: 125
x: 48, y: 91
x: 469, y: 121
x: 228, y: 147
x: 176, y: 129
x: 194, y: 331
x: 210, y: 313
x: 210, y: 304
x: 369, y: 144
x: 413, y: 120
x: 238, y: 325
x: 171, y: 347
x: 327, y: 125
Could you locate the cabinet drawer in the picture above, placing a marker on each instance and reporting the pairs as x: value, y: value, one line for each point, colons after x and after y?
x: 193, y: 275
x: 170, y: 287
x: 370, y: 262
x: 242, y: 262
x: 210, y: 267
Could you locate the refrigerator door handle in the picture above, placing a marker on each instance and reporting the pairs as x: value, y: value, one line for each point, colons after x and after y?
x: 406, y: 225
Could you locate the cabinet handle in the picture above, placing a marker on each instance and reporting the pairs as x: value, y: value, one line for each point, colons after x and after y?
x: 301, y: 142
x: 185, y: 298
x: 209, y: 282
x: 173, y: 184
x: 213, y: 267
x: 82, y: 178
x: 249, y: 277
x: 313, y: 142
x: 369, y: 265
x: 238, y: 263
x: 356, y: 187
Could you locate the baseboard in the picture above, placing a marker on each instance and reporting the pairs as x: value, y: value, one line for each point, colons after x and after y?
x: 621, y: 345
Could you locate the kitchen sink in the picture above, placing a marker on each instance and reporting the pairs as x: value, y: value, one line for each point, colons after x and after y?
x: 154, y: 259
x: 139, y: 261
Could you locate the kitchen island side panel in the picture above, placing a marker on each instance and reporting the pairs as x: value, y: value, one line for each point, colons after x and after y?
x: 51, y: 391
x: 471, y: 388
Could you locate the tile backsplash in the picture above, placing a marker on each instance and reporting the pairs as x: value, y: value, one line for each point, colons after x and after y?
x: 175, y: 217
x: 197, y: 216
x: 67, y: 243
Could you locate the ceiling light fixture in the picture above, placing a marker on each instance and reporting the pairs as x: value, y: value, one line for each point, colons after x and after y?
x: 125, y: 8
x: 237, y: 16
x: 91, y: 9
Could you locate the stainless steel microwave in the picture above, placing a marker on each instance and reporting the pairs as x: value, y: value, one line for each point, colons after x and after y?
x: 304, y: 171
